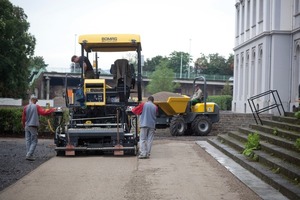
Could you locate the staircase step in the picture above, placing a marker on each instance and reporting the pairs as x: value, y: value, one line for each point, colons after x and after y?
x: 286, y: 119
x: 291, y: 114
x: 232, y: 142
x: 239, y: 136
x: 289, y: 135
x: 284, y: 186
x: 282, y: 125
x: 275, y: 157
x: 284, y: 154
x: 288, y: 170
x: 260, y: 187
x: 287, y: 144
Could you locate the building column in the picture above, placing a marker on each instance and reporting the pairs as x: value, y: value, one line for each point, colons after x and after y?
x: 48, y: 87
x: 42, y: 89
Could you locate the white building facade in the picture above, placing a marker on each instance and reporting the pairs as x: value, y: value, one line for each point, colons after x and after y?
x: 267, y: 53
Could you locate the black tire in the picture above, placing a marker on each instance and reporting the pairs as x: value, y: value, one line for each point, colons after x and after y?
x: 177, y: 126
x: 201, y: 125
x: 60, y: 153
x: 188, y: 130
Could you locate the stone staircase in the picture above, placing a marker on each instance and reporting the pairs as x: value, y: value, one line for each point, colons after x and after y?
x: 278, y: 161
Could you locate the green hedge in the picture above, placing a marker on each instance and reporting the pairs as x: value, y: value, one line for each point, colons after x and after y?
x: 11, y: 122
x: 224, y: 101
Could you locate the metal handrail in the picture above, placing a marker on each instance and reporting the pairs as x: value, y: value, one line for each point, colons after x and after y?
x: 277, y: 104
x: 184, y: 76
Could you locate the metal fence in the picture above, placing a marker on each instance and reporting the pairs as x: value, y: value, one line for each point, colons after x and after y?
x: 146, y: 74
x: 186, y: 76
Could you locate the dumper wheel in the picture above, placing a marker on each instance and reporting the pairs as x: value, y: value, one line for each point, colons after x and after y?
x: 60, y: 153
x: 188, y: 130
x: 201, y: 125
x: 177, y: 126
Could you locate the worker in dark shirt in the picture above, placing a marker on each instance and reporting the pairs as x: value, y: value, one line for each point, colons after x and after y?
x: 87, y: 66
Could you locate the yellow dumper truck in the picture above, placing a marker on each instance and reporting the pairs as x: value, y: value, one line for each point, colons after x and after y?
x: 177, y: 113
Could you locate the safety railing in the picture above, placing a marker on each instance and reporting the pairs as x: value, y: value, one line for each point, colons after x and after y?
x: 147, y: 74
x: 273, y: 97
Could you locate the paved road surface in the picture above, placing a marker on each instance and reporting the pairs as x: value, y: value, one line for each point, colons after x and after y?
x: 176, y: 170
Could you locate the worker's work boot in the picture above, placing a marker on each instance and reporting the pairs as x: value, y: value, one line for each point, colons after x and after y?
x: 30, y: 158
x: 142, y: 157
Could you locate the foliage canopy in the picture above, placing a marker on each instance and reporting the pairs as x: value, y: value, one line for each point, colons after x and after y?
x: 16, y: 48
x: 162, y: 79
x: 181, y: 62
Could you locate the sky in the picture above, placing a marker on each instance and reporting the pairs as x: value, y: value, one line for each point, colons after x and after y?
x: 165, y: 26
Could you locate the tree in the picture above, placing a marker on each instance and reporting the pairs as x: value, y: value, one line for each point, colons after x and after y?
x: 37, y: 63
x: 200, y: 64
x: 151, y: 64
x: 178, y: 60
x: 227, y: 90
x: 16, y: 47
x: 230, y: 63
x: 162, y: 79
x: 217, y: 64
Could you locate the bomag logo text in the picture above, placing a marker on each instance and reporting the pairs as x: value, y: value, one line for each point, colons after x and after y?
x: 109, y: 39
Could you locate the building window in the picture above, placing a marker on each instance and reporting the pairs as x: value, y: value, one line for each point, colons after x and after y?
x: 241, y: 79
x: 237, y: 6
x: 248, y: 15
x: 254, y: 13
x: 296, y: 73
x: 261, y: 10
x: 253, y: 75
x: 297, y: 7
x: 246, y: 83
x: 259, y: 69
x: 243, y: 18
x: 237, y: 75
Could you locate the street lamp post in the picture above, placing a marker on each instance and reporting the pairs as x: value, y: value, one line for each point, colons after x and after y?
x: 189, y: 69
x: 181, y: 65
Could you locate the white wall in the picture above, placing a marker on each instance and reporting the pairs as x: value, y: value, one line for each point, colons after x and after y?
x: 271, y: 63
x: 10, y: 102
